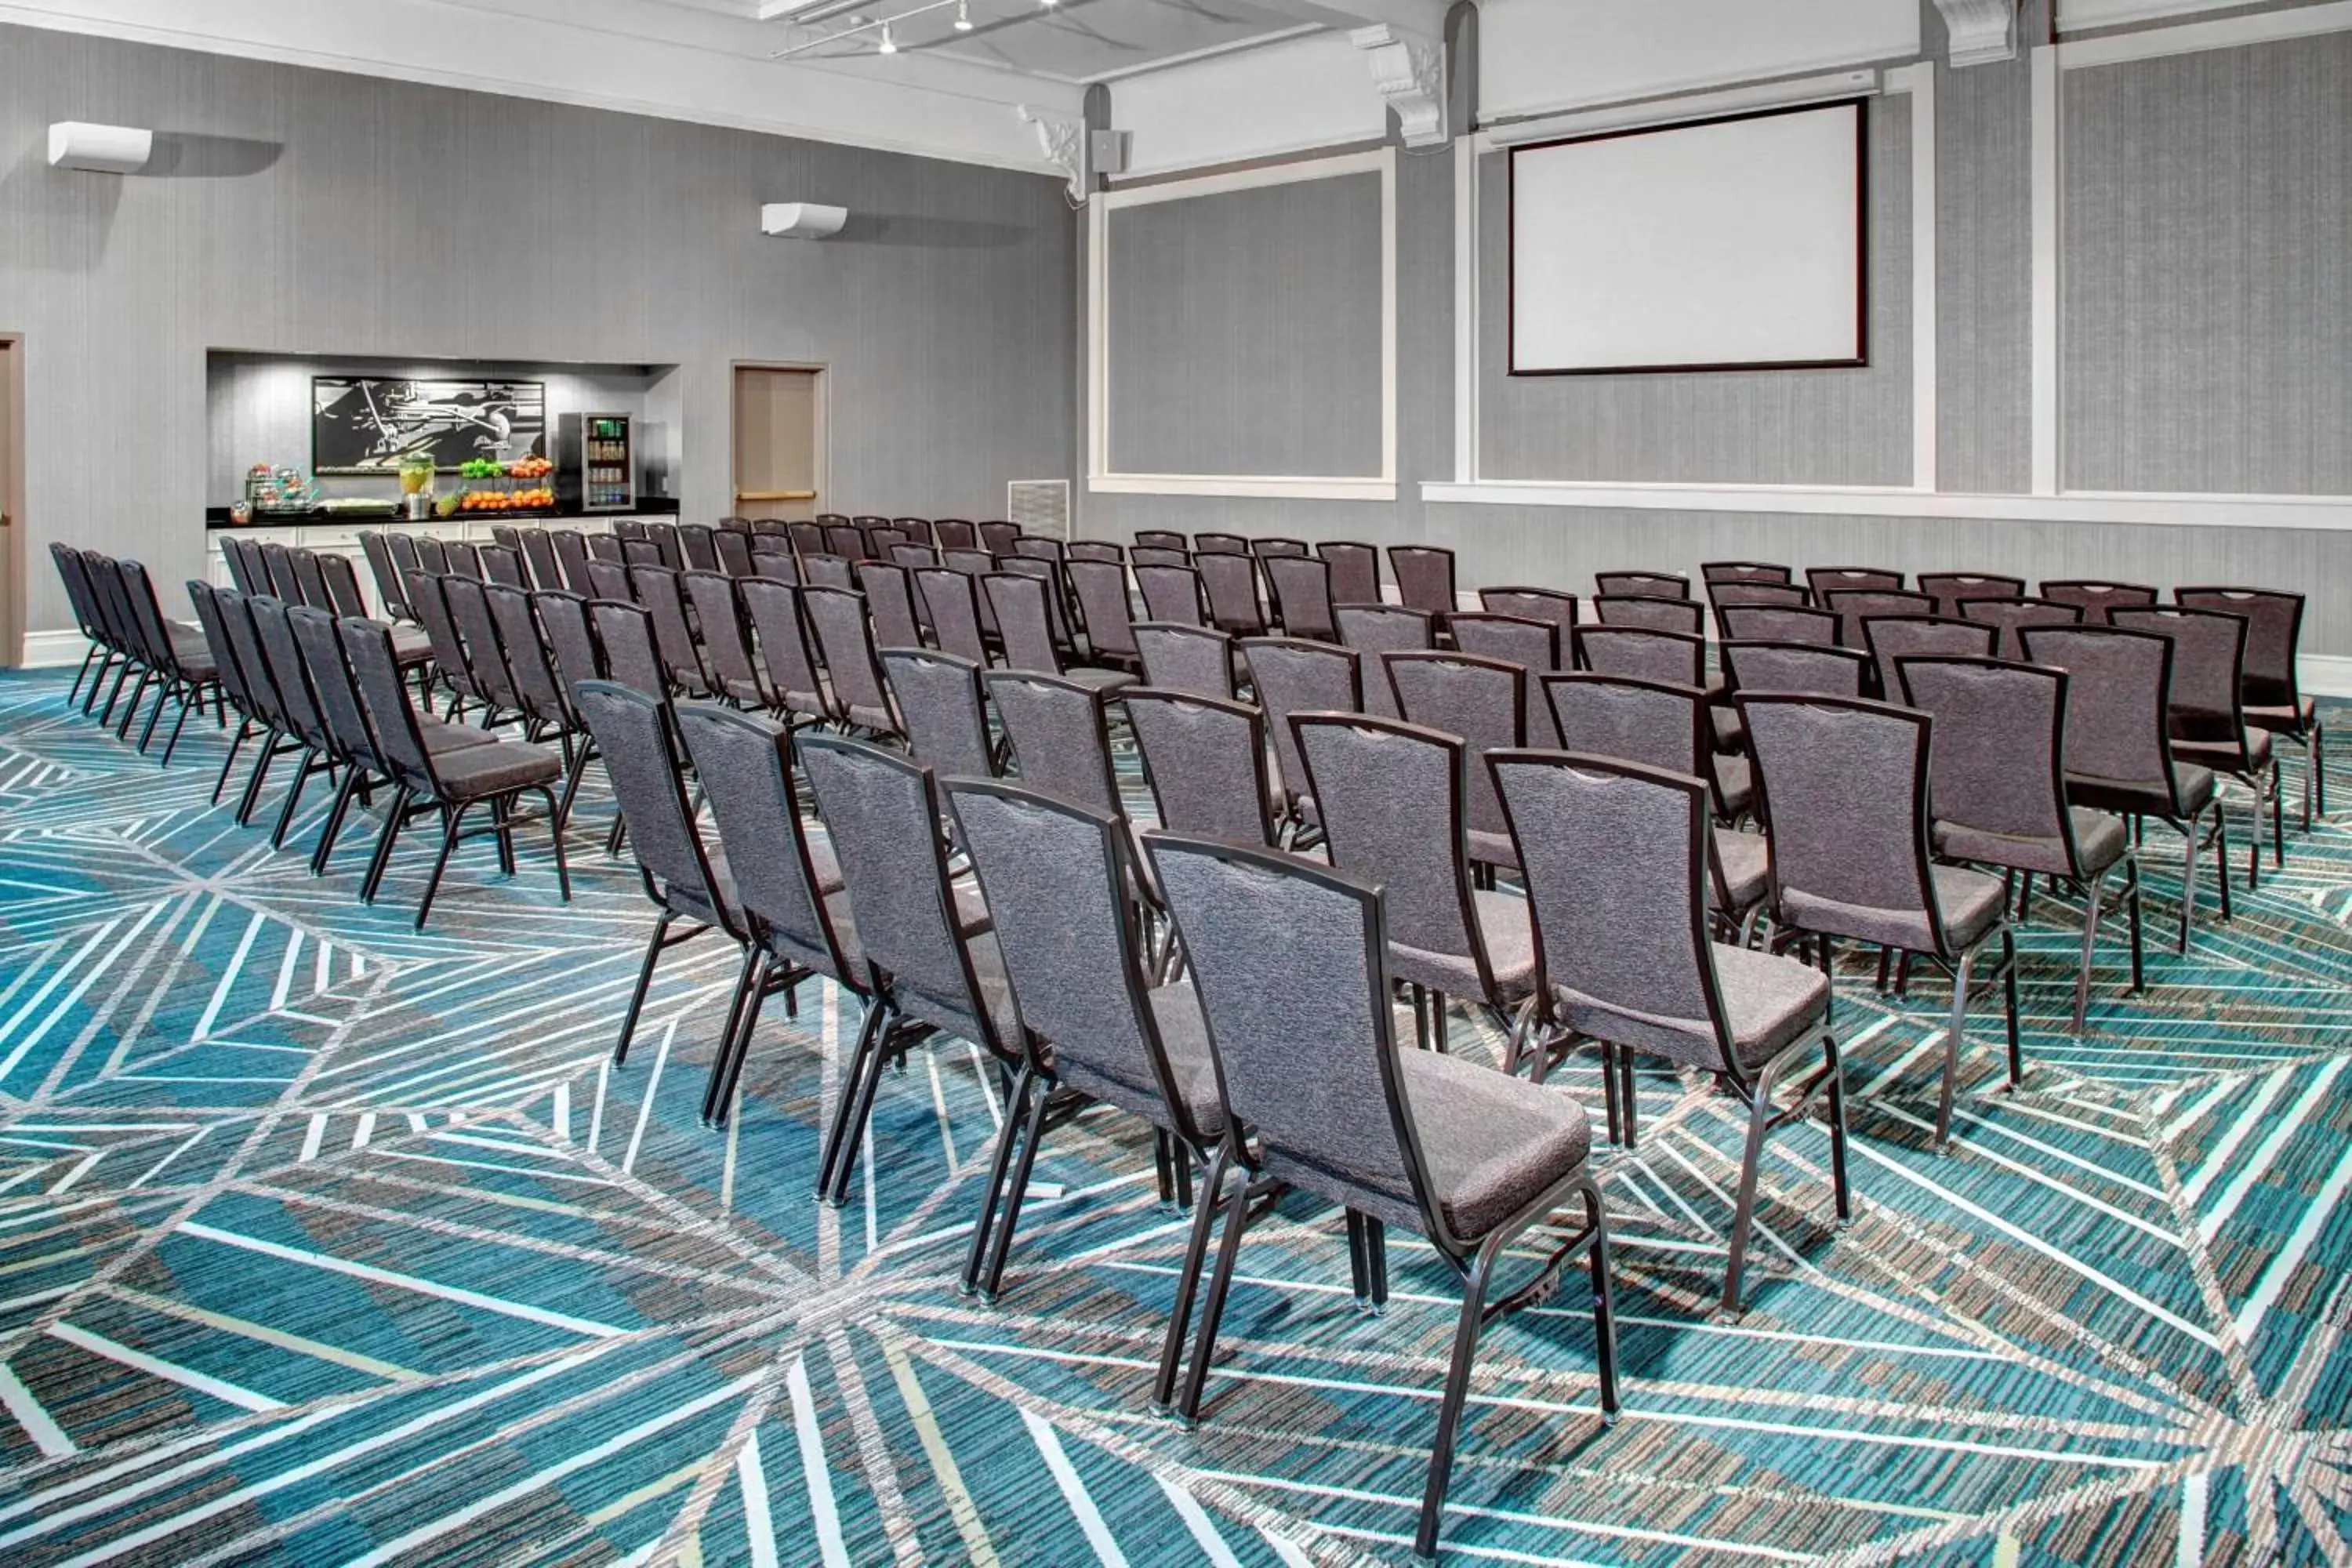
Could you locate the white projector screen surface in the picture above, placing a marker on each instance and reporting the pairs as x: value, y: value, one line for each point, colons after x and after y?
x: 1729, y: 244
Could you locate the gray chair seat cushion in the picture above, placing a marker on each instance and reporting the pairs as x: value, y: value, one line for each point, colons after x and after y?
x: 1099, y: 679
x: 410, y: 645
x: 1491, y: 848
x: 2099, y: 839
x: 1747, y: 861
x: 1494, y: 1143
x: 1185, y: 1035
x: 2146, y: 796
x: 1769, y: 1001
x: 193, y: 655
x: 2223, y: 757
x: 873, y: 718
x: 442, y: 737
x: 1730, y: 734
x: 1735, y: 783
x: 2294, y: 720
x: 476, y: 772
x: 1970, y: 903
x: 1510, y: 937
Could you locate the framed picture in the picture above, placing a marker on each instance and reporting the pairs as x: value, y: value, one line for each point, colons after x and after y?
x: 366, y: 425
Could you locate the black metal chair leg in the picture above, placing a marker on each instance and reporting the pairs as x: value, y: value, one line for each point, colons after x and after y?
x: 333, y: 826
x: 303, y: 769
x: 1952, y: 1043
x: 236, y: 744
x: 2008, y: 984
x: 1000, y: 1243
x: 744, y: 980
x: 1016, y: 1113
x: 1839, y: 1187
x: 861, y: 1117
x: 1743, y: 1213
x: 722, y: 1094
x: 869, y: 1034
x: 1188, y: 1278
x: 1458, y: 1392
x: 653, y: 946
x: 1212, y: 1310
x: 450, y: 821
x: 381, y: 861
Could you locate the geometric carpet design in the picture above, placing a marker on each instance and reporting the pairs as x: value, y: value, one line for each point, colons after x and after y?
x: 323, y: 1241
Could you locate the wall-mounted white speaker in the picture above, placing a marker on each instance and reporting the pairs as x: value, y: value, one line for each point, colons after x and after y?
x: 99, y: 149
x: 801, y: 220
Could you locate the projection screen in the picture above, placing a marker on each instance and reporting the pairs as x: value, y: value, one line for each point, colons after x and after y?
x: 1721, y: 244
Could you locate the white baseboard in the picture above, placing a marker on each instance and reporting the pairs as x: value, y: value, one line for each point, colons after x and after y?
x: 52, y: 650
x: 2326, y: 675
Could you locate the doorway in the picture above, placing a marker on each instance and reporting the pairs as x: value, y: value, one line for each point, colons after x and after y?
x: 780, y: 441
x: 12, y: 499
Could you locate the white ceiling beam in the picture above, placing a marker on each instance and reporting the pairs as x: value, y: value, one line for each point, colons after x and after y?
x: 1426, y: 17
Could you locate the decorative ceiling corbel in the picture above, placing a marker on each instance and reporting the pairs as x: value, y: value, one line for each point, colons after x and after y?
x: 1409, y: 73
x: 1982, y: 31
x: 1064, y: 142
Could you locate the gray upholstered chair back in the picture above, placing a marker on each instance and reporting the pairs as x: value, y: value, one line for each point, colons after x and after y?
x: 1023, y: 621
x: 2118, y: 691
x: 1289, y: 959
x: 1615, y: 857
x: 1482, y: 700
x: 825, y: 571
x: 1161, y: 539
x: 844, y: 539
x: 883, y: 814
x: 1186, y: 658
x: 504, y: 564
x: 784, y: 650
x: 286, y: 668
x: 1266, y: 548
x: 914, y: 556
x: 1390, y: 796
x: 462, y: 558
x: 1794, y: 666
x: 1219, y: 544
x: 950, y: 603
x: 1739, y: 594
x: 572, y: 558
x: 889, y: 599
x: 1231, y: 582
x: 744, y: 762
x: 734, y: 552
x: 2273, y: 637
x: 1950, y: 590
x: 485, y: 650
x: 537, y: 690
x: 940, y: 703
x: 771, y: 559
x: 609, y: 580
x: 1941, y: 637
x: 431, y: 605
x: 244, y: 644
x: 1171, y: 595
x: 2097, y: 598
x: 1662, y: 614
x: 1303, y: 596
x: 377, y: 548
x: 665, y: 538
x: 1059, y: 745
x: 2011, y: 616
x: 837, y: 617
x: 277, y: 564
x: 1534, y: 646
x: 1355, y: 571
x: 1649, y: 723
x: 1679, y: 658
x: 310, y: 579
x: 1535, y: 605
x: 1056, y: 877
x: 625, y: 635
x: 1641, y: 584
x: 342, y: 584
x: 1375, y: 630
x: 376, y: 669
x: 1715, y: 573
x: 657, y: 590
x: 1101, y: 588
x: 1204, y: 759
x: 1847, y: 579
x: 726, y: 644
x: 432, y: 554
x: 571, y: 638
x: 695, y: 541
x: 1853, y: 606
x: 602, y: 547
x: 1776, y: 622
x: 1844, y: 786
x: 633, y: 735
x: 1424, y: 578
x: 1159, y: 554
x: 2209, y: 661
x: 2000, y: 733
x: 1047, y: 574
x: 1295, y: 676
x: 1098, y: 550
x: 331, y: 681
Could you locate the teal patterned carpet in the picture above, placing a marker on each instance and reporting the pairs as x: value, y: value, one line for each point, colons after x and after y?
x: 322, y: 1241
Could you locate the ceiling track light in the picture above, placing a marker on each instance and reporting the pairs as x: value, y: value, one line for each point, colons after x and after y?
x: 889, y: 45
x: 964, y: 16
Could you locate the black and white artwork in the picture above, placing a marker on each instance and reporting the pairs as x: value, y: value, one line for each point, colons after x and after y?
x: 366, y: 425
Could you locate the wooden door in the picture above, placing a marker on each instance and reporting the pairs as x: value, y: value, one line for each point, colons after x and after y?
x: 779, y: 441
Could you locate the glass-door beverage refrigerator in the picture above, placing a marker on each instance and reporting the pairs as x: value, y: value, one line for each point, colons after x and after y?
x: 597, y: 457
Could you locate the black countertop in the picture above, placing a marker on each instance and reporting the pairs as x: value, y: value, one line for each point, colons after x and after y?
x: 647, y: 505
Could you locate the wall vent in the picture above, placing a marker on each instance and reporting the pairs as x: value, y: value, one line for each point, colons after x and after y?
x: 1040, y: 506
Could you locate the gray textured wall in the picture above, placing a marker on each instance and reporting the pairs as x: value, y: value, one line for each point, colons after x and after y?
x: 1246, y: 332
x: 2207, y: 333
x: 311, y: 212
x: 1783, y: 427
x: 1984, y: 368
